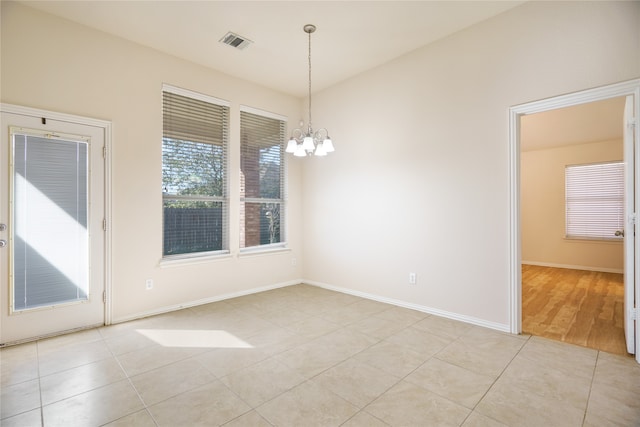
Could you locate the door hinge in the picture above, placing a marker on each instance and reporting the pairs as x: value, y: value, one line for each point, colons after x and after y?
x: 104, y: 224
x: 633, y: 313
x: 632, y: 122
x: 104, y: 152
x: 104, y: 297
x: 633, y: 218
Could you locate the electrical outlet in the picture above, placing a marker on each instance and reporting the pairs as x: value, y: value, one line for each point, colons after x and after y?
x: 412, y: 278
x: 149, y: 284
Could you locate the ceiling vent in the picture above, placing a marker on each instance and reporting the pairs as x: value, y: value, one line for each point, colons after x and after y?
x: 235, y: 40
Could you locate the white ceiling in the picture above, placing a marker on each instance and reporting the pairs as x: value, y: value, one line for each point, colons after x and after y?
x: 352, y: 36
x: 580, y: 124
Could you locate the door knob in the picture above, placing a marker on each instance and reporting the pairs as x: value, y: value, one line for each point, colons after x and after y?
x: 3, y: 243
x: 3, y: 227
x: 619, y: 233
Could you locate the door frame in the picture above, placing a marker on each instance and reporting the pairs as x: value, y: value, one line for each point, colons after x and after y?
x: 106, y: 126
x: 631, y: 87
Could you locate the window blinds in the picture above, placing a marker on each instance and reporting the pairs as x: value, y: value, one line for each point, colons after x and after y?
x: 594, y: 196
x: 261, y: 179
x: 194, y: 174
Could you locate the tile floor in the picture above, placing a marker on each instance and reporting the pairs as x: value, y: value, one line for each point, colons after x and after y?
x: 305, y: 356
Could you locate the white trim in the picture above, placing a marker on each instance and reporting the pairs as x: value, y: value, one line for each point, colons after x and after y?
x: 263, y: 113
x: 170, y: 308
x: 574, y: 267
x: 442, y: 313
x: 195, y: 95
x: 631, y: 87
x: 108, y: 132
x: 273, y: 248
x: 179, y: 261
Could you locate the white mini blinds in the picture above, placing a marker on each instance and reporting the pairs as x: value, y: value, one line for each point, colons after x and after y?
x: 262, y: 194
x: 194, y: 173
x: 594, y: 195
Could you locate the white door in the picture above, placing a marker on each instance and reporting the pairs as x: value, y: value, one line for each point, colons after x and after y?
x: 52, y: 205
x: 630, y: 234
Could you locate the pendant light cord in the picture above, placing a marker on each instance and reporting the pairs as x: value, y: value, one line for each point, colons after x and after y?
x: 309, y: 82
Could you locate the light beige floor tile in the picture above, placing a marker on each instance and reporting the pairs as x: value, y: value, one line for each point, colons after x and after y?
x: 446, y: 328
x: 476, y: 419
x: 284, y: 318
x: 26, y: 419
x: 617, y: 406
x: 72, y: 356
x: 147, y: 359
x: 262, y: 381
x: 211, y: 404
x: 250, y: 419
x: 226, y: 361
x: 409, y: 405
x: 572, y: 359
x: 128, y: 342
x: 345, y: 342
x: 621, y: 372
x: 364, y: 419
x: 402, y: 316
x: 539, y: 378
x: 276, y: 340
x: 515, y: 406
x: 167, y: 381
x: 421, y: 342
x: 488, y: 355
x: 312, y: 327
x: 116, y: 329
x: 310, y: 359
x: 376, y: 327
x: 18, y: 363
x: 457, y: 384
x: 307, y: 405
x: 138, y: 419
x: 356, y: 382
x: 57, y: 343
x: 18, y: 398
x: 391, y: 358
x: 78, y: 380
x: 95, y: 407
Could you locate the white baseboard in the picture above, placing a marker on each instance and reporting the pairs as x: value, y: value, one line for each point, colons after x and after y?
x: 447, y: 314
x: 574, y: 267
x: 195, y: 303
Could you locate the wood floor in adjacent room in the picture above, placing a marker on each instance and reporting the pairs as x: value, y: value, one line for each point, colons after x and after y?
x: 574, y: 306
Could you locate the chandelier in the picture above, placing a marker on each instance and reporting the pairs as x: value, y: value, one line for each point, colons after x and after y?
x: 316, y: 143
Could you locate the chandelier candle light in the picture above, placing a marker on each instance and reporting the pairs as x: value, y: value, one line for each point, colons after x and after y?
x: 310, y: 143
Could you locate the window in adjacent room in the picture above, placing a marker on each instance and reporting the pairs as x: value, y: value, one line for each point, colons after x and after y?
x: 262, y: 192
x: 194, y: 173
x: 594, y: 196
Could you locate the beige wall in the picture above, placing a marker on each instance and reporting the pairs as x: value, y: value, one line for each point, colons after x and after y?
x: 419, y: 181
x: 420, y: 178
x: 57, y: 65
x: 542, y: 201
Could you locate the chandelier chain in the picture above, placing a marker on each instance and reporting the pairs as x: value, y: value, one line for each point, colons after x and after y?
x: 309, y: 79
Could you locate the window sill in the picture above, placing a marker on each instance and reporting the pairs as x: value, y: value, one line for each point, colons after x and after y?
x: 178, y: 261
x: 593, y: 240
x: 258, y: 251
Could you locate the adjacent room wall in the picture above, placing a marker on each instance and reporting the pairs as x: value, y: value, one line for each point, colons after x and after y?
x: 419, y: 181
x: 57, y: 65
x: 542, y: 203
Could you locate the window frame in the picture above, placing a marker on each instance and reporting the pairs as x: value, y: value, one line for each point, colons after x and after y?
x: 283, y: 201
x: 597, y: 233
x: 224, y: 199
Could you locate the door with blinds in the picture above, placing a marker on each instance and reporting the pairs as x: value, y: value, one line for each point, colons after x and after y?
x: 52, y: 232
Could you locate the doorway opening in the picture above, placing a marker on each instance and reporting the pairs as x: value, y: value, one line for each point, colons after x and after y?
x: 630, y: 92
x: 572, y: 206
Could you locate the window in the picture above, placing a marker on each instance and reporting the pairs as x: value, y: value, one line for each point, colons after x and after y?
x: 261, y: 179
x: 594, y: 196
x: 194, y: 173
